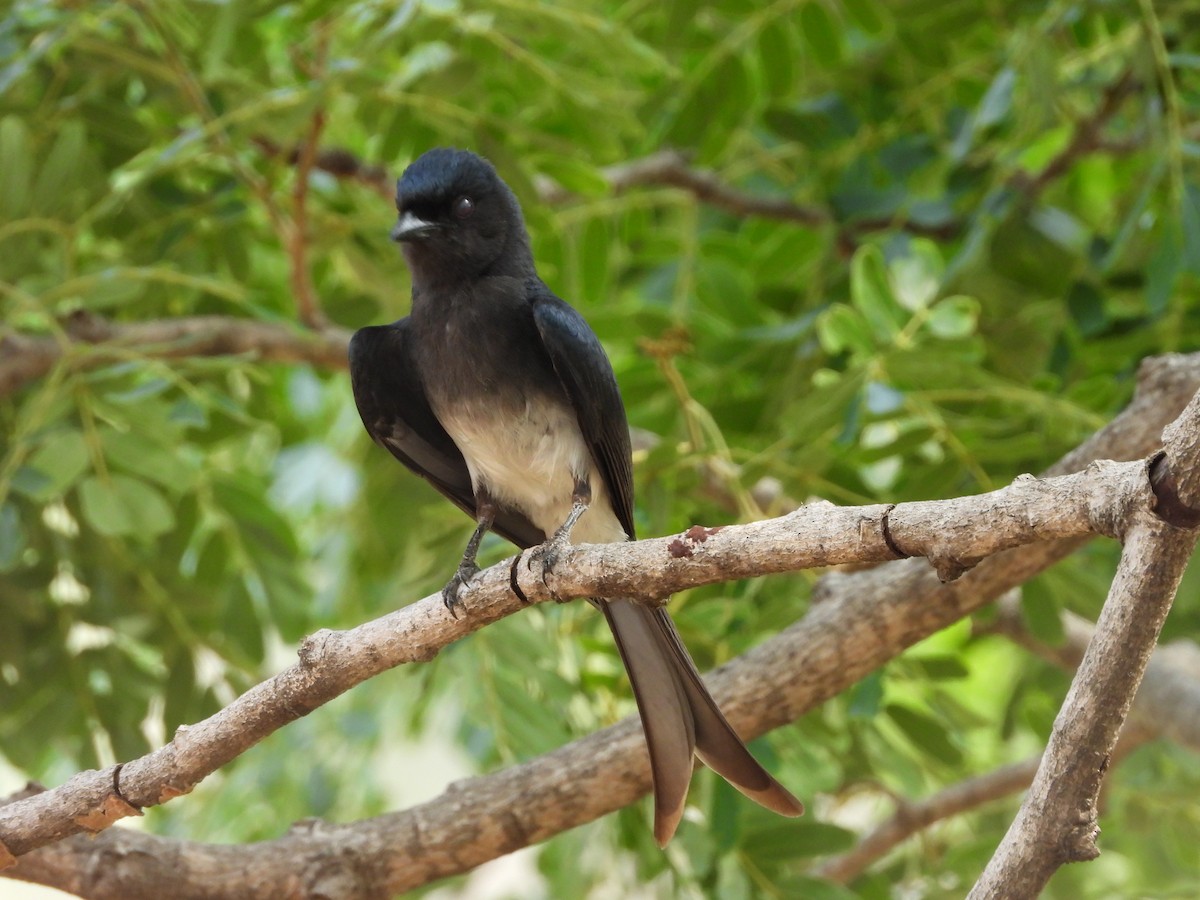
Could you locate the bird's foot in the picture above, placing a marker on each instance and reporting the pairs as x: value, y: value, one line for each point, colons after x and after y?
x: 550, y: 551
x: 452, y: 592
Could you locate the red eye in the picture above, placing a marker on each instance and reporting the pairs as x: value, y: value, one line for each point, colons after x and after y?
x: 463, y: 207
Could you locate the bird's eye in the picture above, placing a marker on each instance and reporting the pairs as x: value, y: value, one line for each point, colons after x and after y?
x: 463, y: 207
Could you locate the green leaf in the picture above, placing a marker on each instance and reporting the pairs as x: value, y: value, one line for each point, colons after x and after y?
x: 916, y: 276
x: 821, y: 123
x: 841, y: 328
x: 795, y: 839
x: 865, y: 696
x: 595, y: 260
x: 777, y: 57
x: 1041, y: 609
x: 240, y: 624
x: 1163, y: 269
x: 821, y: 34
x: 925, y: 732
x: 32, y: 483
x: 867, y: 15
x: 575, y: 175
x: 997, y: 101
x: 724, y: 815
x: 871, y: 293
x: 140, y: 454
x: 16, y: 168
x: 814, y: 889
x: 953, y: 318
x: 61, y: 459
x: 12, y: 536
x: 61, y: 170
x: 942, y: 668
x: 150, y: 512
x: 102, y: 507
x: 121, y: 505
x: 1189, y: 218
x: 709, y: 117
x: 1086, y: 305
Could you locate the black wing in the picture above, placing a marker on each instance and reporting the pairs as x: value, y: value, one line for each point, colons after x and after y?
x: 392, y: 404
x: 587, y: 376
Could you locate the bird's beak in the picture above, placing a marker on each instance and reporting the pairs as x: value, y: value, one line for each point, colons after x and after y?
x: 410, y: 228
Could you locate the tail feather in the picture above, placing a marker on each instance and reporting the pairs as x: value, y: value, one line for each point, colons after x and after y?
x: 680, y: 718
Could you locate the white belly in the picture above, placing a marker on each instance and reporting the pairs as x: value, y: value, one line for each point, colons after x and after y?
x: 529, y: 460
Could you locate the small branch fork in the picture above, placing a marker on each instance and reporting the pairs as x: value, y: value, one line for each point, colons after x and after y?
x: 1057, y: 823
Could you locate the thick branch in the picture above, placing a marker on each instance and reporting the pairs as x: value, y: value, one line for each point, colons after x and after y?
x: 97, y: 341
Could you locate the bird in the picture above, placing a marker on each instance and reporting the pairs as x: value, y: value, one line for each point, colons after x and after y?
x: 500, y: 395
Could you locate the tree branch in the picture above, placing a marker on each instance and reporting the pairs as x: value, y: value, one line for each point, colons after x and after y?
x: 948, y: 531
x: 912, y: 817
x: 1057, y: 823
x: 857, y: 622
x: 1086, y: 137
x: 295, y: 233
x: 97, y: 341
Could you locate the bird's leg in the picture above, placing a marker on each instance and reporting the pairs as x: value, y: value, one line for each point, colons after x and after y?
x: 485, y: 514
x: 552, y: 548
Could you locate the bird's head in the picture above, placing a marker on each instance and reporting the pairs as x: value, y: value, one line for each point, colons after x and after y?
x: 458, y: 220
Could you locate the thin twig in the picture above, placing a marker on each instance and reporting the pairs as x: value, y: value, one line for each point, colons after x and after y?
x: 1086, y: 137
x: 93, y: 340
x: 296, y: 232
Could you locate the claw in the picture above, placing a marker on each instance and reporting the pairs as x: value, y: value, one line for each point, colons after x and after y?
x: 452, y: 592
x: 551, y: 550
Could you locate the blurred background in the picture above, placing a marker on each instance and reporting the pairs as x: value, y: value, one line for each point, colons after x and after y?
x: 839, y: 249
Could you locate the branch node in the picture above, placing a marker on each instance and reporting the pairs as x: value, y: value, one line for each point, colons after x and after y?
x: 169, y: 792
x: 116, y: 783
x: 1111, y: 506
x: 104, y: 814
x: 1079, y: 843
x: 1168, y: 505
x: 514, y: 581
x: 312, y: 648
x: 949, y: 568
x: 310, y: 825
x: 885, y: 528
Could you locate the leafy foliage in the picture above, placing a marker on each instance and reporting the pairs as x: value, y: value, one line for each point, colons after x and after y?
x: 999, y: 217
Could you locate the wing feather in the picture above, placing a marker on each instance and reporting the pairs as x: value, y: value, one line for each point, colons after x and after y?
x: 391, y: 401
x: 587, y: 377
